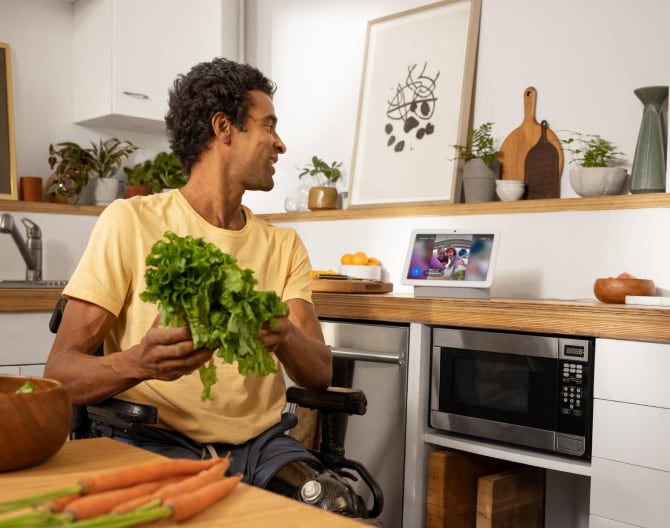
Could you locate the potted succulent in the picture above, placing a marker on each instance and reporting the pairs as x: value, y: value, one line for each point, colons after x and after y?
x: 71, y: 164
x: 597, y: 158
x: 481, y: 168
x: 167, y: 172
x: 324, y: 194
x: 140, y: 178
x: 106, y: 159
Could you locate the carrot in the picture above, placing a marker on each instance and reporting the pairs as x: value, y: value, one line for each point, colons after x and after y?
x: 187, y: 485
x: 88, y: 506
x: 149, y: 472
x: 58, y: 505
x: 186, y: 506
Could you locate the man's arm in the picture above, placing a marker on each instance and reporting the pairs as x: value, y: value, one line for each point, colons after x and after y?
x: 298, y: 342
x: 163, y: 353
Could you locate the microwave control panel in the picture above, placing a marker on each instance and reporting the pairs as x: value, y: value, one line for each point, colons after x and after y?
x: 572, y: 388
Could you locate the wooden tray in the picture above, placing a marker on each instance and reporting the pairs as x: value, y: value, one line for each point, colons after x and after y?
x: 350, y: 286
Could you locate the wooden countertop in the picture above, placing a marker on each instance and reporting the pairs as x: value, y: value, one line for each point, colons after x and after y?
x: 587, y: 318
x: 246, y: 507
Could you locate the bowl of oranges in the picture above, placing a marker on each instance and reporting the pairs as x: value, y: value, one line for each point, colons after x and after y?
x: 359, y: 266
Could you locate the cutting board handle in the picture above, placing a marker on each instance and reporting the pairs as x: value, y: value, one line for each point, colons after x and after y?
x: 529, y: 105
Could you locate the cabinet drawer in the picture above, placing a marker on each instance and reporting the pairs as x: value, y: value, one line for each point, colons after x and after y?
x: 634, y: 434
x: 13, y: 370
x: 596, y: 521
x: 630, y: 494
x: 632, y: 372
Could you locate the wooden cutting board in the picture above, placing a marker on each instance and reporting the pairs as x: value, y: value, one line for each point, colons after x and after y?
x: 517, y: 145
x: 541, y: 170
x: 350, y: 286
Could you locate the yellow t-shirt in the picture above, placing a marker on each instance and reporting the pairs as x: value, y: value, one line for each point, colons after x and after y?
x: 111, y: 274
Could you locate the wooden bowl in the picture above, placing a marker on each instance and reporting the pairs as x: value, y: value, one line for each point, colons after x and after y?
x: 34, y: 425
x: 614, y: 290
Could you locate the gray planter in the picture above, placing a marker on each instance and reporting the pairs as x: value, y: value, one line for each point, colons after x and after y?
x: 479, y: 181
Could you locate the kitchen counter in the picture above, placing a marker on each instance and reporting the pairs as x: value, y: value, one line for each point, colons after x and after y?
x: 587, y: 318
x: 246, y: 507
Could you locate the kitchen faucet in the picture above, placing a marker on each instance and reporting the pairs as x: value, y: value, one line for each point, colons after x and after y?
x: 31, y: 248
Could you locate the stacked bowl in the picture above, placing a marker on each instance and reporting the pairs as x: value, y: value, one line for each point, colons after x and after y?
x: 510, y: 190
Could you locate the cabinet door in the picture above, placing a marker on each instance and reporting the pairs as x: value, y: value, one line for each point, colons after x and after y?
x: 629, y: 494
x: 35, y: 371
x: 11, y: 370
x: 154, y: 40
x: 632, y: 372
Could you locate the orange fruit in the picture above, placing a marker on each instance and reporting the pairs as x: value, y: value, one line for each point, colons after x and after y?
x: 360, y: 259
x: 373, y: 262
x: 347, y: 259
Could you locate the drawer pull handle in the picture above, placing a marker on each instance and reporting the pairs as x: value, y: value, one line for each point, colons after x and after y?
x: 136, y: 95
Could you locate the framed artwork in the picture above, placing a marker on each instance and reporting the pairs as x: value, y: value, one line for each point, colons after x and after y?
x: 414, y: 104
x: 8, y: 181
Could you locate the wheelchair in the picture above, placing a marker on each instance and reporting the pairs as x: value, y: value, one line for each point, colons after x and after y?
x: 325, y: 484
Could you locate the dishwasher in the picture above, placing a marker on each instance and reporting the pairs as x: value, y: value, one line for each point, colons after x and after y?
x: 372, y: 357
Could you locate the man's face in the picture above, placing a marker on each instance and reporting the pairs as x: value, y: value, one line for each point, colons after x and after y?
x: 258, y: 147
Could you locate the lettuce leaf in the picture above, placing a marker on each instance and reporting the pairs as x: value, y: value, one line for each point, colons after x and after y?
x: 194, y: 283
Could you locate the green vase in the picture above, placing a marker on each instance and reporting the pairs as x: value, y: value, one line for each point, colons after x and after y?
x: 649, y: 164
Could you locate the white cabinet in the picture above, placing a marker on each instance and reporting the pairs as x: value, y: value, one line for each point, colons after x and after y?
x: 127, y: 54
x: 595, y: 521
x: 630, y: 467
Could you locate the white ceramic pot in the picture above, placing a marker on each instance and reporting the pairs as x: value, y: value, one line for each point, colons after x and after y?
x: 597, y: 181
x: 479, y: 181
x: 106, y: 190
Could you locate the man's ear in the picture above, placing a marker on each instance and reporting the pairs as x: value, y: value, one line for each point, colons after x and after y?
x: 222, y: 127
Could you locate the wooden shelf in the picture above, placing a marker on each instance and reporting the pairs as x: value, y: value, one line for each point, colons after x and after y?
x: 28, y: 299
x: 50, y: 208
x: 597, y: 203
x: 581, y: 318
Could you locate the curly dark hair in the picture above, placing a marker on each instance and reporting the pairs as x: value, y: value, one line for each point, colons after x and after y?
x: 220, y: 85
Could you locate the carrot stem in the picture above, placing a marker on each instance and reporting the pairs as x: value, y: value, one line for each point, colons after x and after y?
x: 34, y: 500
x: 125, y: 520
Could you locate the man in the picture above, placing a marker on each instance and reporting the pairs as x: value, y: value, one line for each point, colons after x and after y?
x: 222, y: 125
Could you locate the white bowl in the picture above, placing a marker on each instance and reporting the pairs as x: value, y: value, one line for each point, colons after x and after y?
x: 509, y: 183
x: 362, y: 272
x: 510, y: 193
x: 597, y: 181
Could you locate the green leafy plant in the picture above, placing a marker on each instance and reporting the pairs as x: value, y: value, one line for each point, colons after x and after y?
x: 71, y: 164
x: 479, y: 146
x: 196, y: 284
x: 167, y: 172
x: 591, y: 150
x: 327, y: 175
x: 107, y: 156
x: 140, y: 173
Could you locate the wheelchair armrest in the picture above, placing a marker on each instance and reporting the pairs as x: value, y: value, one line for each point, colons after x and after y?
x: 122, y: 413
x: 334, y: 399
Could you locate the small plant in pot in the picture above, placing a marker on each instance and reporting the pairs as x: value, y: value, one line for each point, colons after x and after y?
x: 106, y: 159
x: 597, y: 174
x: 324, y: 194
x: 167, y: 172
x: 481, y: 168
x: 71, y: 164
x: 140, y: 179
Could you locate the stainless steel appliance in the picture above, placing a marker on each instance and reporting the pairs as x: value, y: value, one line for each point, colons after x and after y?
x: 372, y: 357
x: 530, y: 390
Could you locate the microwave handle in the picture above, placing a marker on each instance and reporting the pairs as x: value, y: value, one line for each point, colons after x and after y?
x: 366, y: 355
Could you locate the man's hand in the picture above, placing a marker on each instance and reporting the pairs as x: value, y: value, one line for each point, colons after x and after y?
x: 168, y: 354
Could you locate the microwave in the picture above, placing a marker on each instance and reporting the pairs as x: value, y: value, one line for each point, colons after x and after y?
x: 529, y: 390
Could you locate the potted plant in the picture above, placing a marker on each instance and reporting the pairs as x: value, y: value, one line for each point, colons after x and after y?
x: 140, y: 177
x: 106, y: 159
x: 481, y: 168
x: 167, y: 172
x: 597, y: 174
x: 324, y: 194
x: 71, y: 164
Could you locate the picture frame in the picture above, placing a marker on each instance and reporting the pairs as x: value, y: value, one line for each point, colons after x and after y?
x: 8, y: 179
x: 414, y: 105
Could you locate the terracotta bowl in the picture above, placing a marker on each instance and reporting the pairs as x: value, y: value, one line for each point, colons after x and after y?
x: 34, y: 425
x: 614, y: 290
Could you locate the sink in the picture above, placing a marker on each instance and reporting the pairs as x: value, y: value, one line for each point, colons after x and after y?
x: 14, y: 284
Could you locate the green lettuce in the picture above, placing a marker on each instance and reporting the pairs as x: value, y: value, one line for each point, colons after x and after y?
x: 197, y: 284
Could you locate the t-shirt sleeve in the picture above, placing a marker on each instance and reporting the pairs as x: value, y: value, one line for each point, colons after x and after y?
x: 101, y: 277
x: 299, y: 281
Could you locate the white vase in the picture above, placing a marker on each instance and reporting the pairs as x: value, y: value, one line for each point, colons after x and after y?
x: 106, y: 190
x: 597, y: 181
